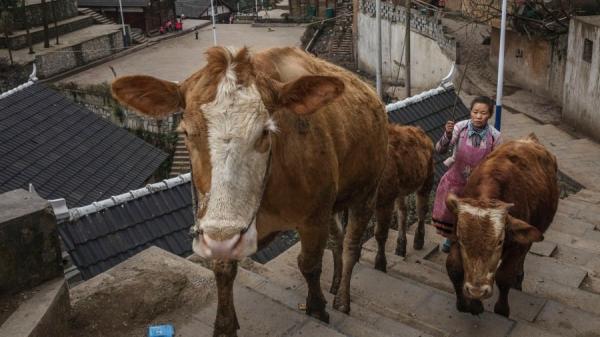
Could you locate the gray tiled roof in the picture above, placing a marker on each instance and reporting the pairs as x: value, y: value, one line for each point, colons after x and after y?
x: 101, y: 240
x: 105, y: 233
x: 67, y: 151
x: 430, y: 111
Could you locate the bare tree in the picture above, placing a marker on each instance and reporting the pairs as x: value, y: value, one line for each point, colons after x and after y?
x: 6, y: 22
x: 45, y: 23
x: 54, y: 17
x: 24, y: 13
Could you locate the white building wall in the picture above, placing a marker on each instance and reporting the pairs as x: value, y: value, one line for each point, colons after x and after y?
x: 581, y: 95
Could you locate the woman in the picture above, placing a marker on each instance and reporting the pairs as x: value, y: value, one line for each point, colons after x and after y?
x: 472, y: 140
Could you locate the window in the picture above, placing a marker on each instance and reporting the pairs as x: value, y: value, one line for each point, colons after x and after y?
x: 588, y: 46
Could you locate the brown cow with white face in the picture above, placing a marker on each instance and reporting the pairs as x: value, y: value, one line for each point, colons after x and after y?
x: 278, y: 140
x: 509, y: 201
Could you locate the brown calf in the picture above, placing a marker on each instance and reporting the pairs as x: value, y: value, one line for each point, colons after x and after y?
x: 510, y: 199
x: 278, y: 140
x: 409, y: 169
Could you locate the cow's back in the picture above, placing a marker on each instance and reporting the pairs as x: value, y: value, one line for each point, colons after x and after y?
x: 410, y: 160
x: 522, y: 172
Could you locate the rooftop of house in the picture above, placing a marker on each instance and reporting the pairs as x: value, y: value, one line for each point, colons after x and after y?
x: 590, y: 19
x: 430, y: 110
x: 65, y: 150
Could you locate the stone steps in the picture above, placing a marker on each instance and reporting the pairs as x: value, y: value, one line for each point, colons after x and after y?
x: 101, y: 19
x: 401, y: 299
x: 547, y: 278
x: 292, y: 292
x: 181, y: 158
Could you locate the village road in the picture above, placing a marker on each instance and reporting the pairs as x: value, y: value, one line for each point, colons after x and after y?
x: 177, y: 58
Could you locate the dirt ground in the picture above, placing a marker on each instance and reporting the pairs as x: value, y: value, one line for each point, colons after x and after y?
x: 147, y: 289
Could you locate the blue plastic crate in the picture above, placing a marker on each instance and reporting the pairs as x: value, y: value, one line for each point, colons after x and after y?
x: 166, y: 330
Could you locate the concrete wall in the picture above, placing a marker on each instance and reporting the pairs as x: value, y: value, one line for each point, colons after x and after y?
x: 80, y: 54
x: 432, y: 52
x: 29, y: 246
x: 535, y: 64
x: 581, y: 100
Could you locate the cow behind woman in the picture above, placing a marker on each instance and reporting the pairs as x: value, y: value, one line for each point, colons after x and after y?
x: 508, y: 203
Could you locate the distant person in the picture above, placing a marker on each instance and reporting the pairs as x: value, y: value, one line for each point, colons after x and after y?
x: 169, y: 25
x: 178, y: 25
x: 182, y: 16
x: 161, y: 30
x: 472, y: 139
x: 231, y: 19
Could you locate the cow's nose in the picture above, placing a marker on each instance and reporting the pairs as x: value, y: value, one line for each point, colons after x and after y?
x: 477, y: 292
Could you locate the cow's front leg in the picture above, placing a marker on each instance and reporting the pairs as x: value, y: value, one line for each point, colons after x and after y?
x: 509, y: 275
x: 226, y: 323
x: 359, y: 218
x: 313, y: 240
x: 454, y: 267
x: 336, y: 241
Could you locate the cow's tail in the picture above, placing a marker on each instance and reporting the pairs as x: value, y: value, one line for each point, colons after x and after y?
x: 532, y: 137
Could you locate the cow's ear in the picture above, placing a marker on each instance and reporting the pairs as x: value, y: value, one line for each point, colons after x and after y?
x: 150, y: 96
x: 522, y: 232
x: 308, y: 94
x: 452, y: 203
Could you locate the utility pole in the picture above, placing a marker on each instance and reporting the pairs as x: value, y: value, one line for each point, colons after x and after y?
x: 125, y: 42
x: 212, y: 8
x: 500, y: 67
x: 378, y: 71
x: 407, y: 48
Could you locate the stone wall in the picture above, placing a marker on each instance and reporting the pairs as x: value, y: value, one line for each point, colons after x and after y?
x: 67, y: 58
x: 29, y: 247
x: 581, y: 97
x: 432, y: 51
x: 108, y: 108
x: 535, y: 63
x: 37, y: 34
x: 64, y: 9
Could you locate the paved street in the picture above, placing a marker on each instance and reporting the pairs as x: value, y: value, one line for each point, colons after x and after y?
x: 177, y: 58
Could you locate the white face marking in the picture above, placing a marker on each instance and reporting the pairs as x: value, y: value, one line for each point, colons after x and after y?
x: 235, y: 120
x: 496, y: 216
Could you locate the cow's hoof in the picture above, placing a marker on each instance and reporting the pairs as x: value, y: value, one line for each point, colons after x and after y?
x: 226, y: 332
x: 341, y: 305
x: 381, y: 263
x: 401, y: 250
x: 502, y: 309
x: 419, y: 242
x: 476, y: 307
x: 462, y: 306
x: 321, y: 315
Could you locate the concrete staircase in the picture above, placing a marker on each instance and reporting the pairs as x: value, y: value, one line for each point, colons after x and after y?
x: 181, y: 159
x: 415, y: 298
x: 340, y: 44
x: 136, y: 37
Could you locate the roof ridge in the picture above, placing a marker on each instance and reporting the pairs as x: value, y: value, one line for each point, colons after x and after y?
x: 32, y: 80
x: 97, y: 206
x: 419, y: 97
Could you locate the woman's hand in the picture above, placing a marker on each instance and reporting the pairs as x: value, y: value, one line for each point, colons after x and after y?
x: 449, y: 128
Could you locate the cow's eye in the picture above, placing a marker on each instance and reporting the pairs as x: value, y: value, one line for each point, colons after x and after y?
x: 500, y: 243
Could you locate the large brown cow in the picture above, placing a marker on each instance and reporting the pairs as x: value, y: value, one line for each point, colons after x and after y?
x: 509, y: 201
x: 278, y: 140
